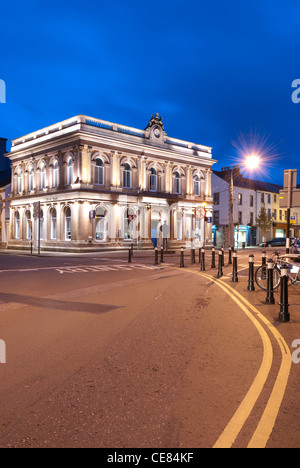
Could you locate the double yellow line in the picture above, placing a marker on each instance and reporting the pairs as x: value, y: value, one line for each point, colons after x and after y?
x: 267, y: 422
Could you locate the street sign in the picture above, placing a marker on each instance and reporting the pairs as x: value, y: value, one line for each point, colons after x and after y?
x: 201, y: 212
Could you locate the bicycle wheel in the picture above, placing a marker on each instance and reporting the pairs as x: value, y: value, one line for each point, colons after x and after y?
x: 261, y: 278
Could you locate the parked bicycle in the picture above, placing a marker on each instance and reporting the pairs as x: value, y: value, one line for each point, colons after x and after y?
x: 289, y: 260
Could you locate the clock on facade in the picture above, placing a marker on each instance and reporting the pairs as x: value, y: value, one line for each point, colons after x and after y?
x: 157, y: 133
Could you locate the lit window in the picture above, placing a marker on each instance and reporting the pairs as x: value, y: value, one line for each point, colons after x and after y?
x: 99, y: 172
x: 55, y: 175
x: 153, y: 180
x: 68, y: 224
x: 53, y: 225
x: 70, y: 172
x: 177, y: 183
x: 127, y: 177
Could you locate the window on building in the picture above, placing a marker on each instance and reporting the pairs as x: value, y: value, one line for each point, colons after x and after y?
x: 19, y: 175
x: 17, y: 225
x: 263, y: 198
x: 280, y: 215
x: 55, y: 174
x: 179, y: 225
x: 269, y: 198
x: 240, y: 199
x: 28, y: 225
x: 53, y: 225
x: 275, y: 198
x: 217, y: 198
x: 30, y: 180
x: 70, y: 170
x: 43, y: 177
x: 216, y: 218
x: 153, y: 180
x: 99, y: 172
x: 251, y: 218
x: 269, y: 212
x: 251, y: 201
x: 68, y: 224
x: 100, y: 224
x: 127, y: 176
x: 197, y: 186
x: 275, y: 214
x: 240, y: 217
x: 177, y: 183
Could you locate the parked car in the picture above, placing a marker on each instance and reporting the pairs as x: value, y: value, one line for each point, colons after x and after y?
x: 278, y: 242
x: 297, y: 246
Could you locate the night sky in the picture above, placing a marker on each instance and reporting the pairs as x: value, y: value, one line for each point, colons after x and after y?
x: 220, y: 73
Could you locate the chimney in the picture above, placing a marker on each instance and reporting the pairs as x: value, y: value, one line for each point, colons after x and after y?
x: 4, y: 162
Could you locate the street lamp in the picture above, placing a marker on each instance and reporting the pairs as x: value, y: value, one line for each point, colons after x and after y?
x: 251, y: 162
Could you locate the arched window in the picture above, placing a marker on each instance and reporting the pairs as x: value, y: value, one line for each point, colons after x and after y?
x: 70, y: 172
x: 197, y: 186
x: 128, y: 225
x: 28, y: 225
x: 68, y: 224
x: 177, y: 183
x: 99, y: 172
x: 127, y: 178
x: 43, y: 177
x: 30, y: 180
x: 179, y: 225
x: 53, y: 224
x: 19, y: 175
x: 100, y: 224
x: 55, y: 174
x: 153, y: 180
x: 17, y: 225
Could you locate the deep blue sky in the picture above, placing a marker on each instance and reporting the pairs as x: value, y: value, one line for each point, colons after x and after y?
x: 219, y: 72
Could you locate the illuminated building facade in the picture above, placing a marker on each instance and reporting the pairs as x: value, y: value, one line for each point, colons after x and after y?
x: 100, y: 185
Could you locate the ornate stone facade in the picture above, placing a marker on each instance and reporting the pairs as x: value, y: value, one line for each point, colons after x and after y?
x: 102, y: 185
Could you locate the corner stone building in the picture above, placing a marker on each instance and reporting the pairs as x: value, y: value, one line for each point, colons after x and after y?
x: 87, y: 184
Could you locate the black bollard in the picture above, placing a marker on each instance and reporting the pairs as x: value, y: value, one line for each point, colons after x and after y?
x: 162, y: 254
x: 284, y: 315
x: 223, y: 257
x: 202, y: 259
x: 251, y: 285
x: 230, y: 256
x: 156, y: 256
x: 213, y: 258
x: 220, y: 269
x: 270, y: 285
x: 193, y: 256
x: 235, y: 278
x: 181, y: 258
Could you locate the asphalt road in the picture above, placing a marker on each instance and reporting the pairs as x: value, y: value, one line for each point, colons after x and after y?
x: 102, y: 353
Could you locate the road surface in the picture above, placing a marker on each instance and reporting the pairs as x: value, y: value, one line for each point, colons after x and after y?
x: 102, y: 353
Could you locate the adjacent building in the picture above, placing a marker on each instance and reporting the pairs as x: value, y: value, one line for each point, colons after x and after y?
x: 88, y: 184
x: 249, y: 196
x: 290, y: 198
x: 5, y: 190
